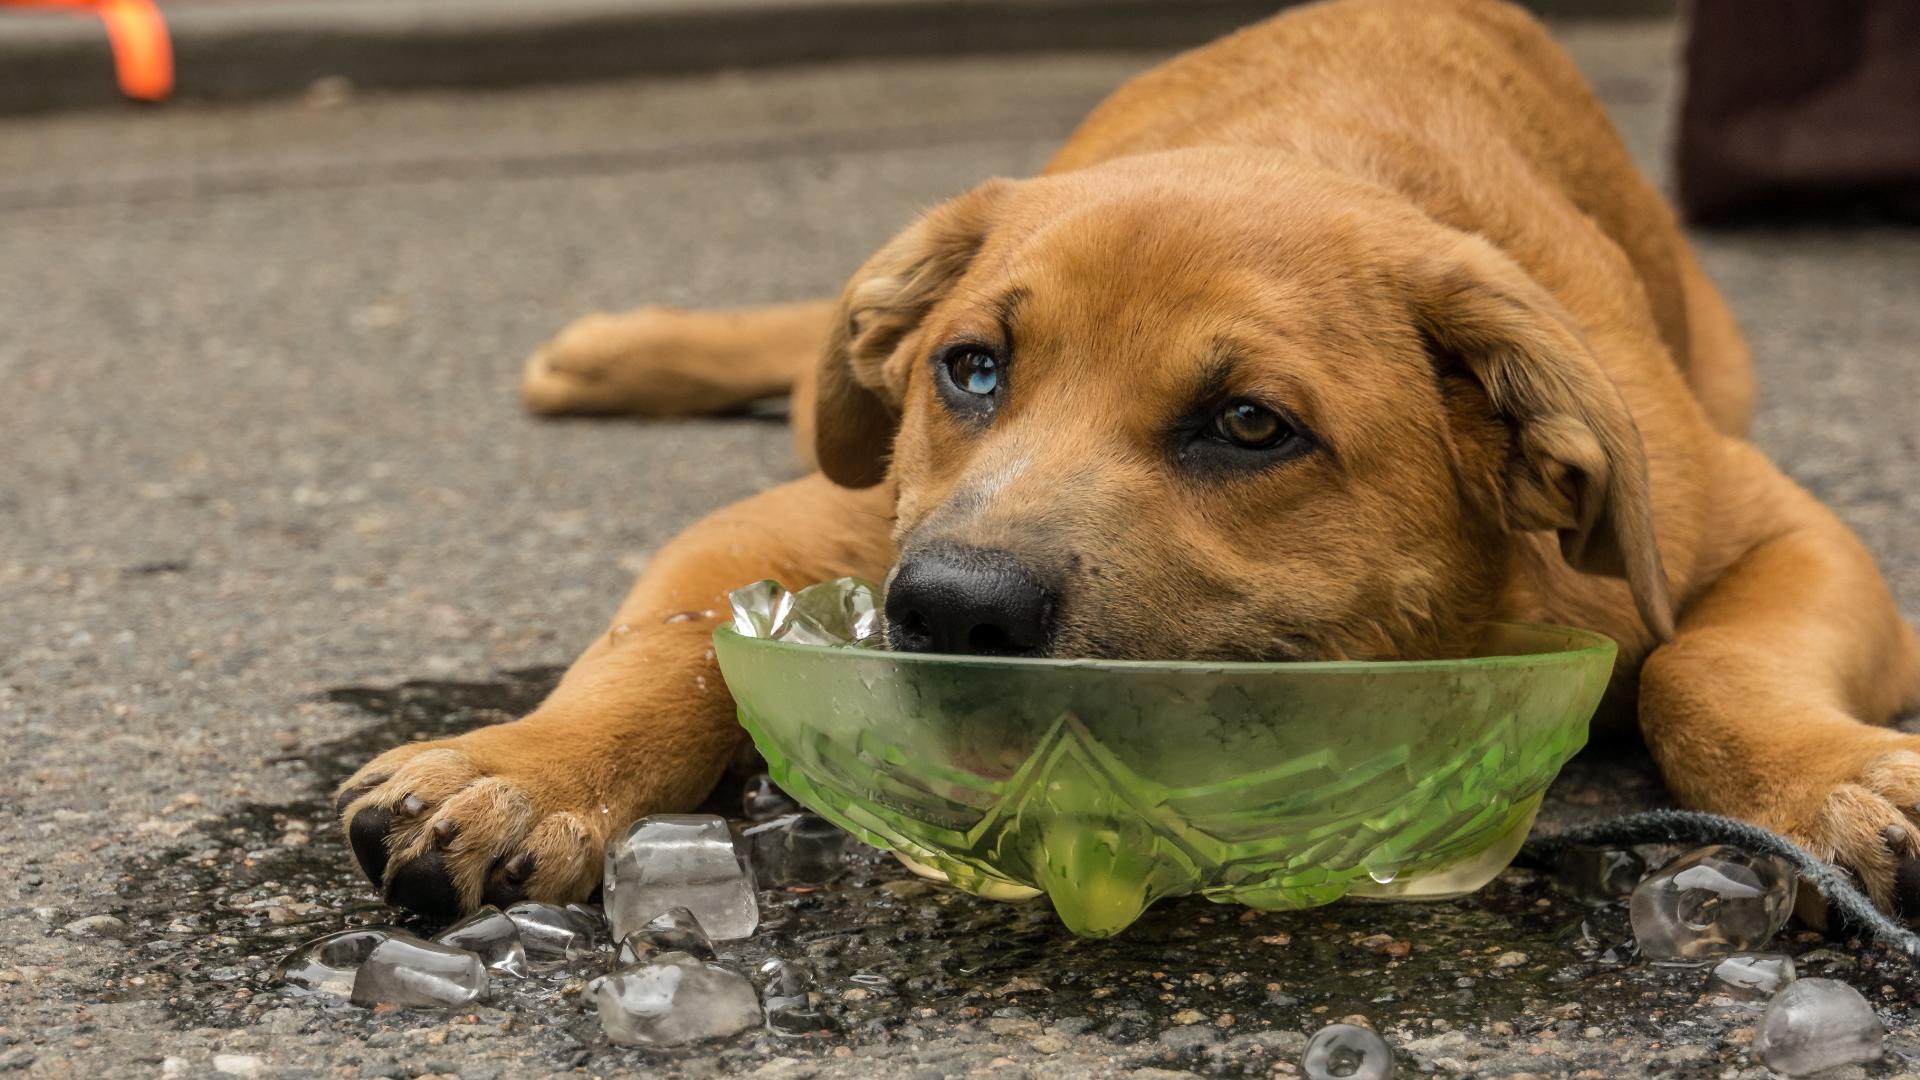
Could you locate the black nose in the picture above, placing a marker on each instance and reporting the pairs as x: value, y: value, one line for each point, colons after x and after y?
x: 968, y: 600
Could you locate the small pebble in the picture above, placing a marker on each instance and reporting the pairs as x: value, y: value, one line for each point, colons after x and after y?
x: 97, y: 926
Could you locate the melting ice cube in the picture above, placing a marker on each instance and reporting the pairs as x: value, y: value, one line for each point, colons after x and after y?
x: 552, y: 934
x: 762, y: 799
x: 404, y: 970
x: 674, y: 999
x: 759, y: 608
x: 798, y: 849
x: 1710, y: 903
x: 780, y: 977
x: 1751, y: 976
x: 830, y: 613
x: 1600, y: 875
x: 493, y: 936
x: 673, y: 930
x: 328, y: 964
x: 680, y: 860
x: 1346, y: 1052
x: 1816, y: 1024
x: 786, y: 987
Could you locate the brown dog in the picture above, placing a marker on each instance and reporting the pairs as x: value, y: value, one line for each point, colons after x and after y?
x: 1341, y: 336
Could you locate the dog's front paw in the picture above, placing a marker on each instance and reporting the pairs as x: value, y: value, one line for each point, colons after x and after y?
x: 442, y: 827
x: 1869, y: 823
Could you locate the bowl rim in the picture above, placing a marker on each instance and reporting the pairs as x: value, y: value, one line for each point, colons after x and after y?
x: 1595, y: 645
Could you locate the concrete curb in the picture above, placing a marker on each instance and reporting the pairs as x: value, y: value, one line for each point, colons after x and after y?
x: 227, y: 50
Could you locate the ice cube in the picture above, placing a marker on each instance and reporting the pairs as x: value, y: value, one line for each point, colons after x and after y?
x: 1604, y: 937
x: 786, y: 987
x: 552, y: 934
x: 673, y: 930
x: 831, y: 613
x: 674, y: 999
x: 759, y: 608
x: 795, y: 1015
x: 803, y: 630
x: 762, y: 799
x: 1751, y: 976
x: 591, y: 917
x: 1346, y: 1052
x: 404, y: 970
x: 780, y: 977
x: 1816, y: 1024
x: 798, y: 849
x: 1600, y: 875
x: 680, y: 860
x: 1711, y: 903
x: 493, y: 936
x: 328, y: 964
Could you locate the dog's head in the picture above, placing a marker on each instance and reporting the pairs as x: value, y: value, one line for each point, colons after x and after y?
x: 1192, y: 407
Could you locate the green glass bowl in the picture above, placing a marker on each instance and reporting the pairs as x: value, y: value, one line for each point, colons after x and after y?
x: 1110, y: 784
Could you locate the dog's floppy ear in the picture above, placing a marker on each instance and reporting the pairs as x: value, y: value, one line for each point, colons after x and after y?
x: 1576, y: 463
x: 860, y: 390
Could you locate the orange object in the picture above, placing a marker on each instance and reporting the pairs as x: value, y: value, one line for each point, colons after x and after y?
x: 142, y: 51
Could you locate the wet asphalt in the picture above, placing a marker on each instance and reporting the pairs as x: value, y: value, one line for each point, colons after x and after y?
x: 268, y: 506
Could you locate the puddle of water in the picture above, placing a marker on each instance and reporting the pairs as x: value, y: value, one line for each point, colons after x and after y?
x: 900, y: 960
x: 212, y: 911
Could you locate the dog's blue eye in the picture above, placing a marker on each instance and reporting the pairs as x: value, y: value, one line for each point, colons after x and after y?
x: 974, y: 371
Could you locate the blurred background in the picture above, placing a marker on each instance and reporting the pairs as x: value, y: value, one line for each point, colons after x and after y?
x: 1787, y: 107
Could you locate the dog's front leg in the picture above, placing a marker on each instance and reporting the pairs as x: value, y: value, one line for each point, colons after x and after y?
x: 640, y: 723
x: 1769, y: 704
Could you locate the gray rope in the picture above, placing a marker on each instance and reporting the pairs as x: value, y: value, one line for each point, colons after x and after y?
x: 1692, y: 827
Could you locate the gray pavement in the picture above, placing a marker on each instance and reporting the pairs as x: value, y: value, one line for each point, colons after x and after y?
x: 260, y: 443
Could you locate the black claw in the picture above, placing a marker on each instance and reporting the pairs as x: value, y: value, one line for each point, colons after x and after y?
x: 444, y: 831
x: 519, y: 868
x: 368, y: 833
x: 1906, y: 886
x: 423, y: 886
x: 507, y: 885
x: 346, y: 797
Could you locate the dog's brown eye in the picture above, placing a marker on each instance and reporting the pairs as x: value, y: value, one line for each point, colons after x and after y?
x: 1243, y: 423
